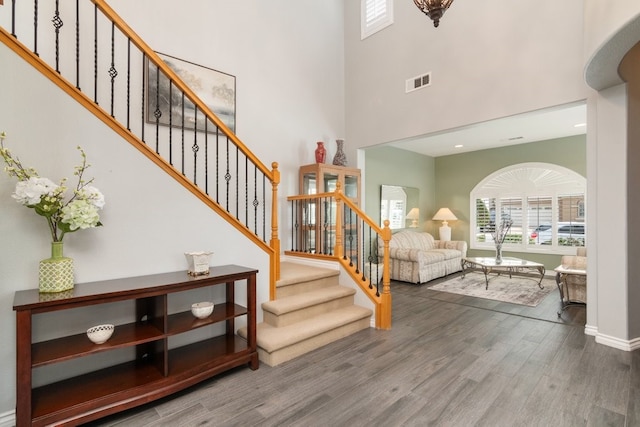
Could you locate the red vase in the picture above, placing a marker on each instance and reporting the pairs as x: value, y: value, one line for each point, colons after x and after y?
x: 321, y: 153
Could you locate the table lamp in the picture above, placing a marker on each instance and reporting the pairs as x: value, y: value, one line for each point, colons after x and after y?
x: 413, y: 215
x: 445, y: 215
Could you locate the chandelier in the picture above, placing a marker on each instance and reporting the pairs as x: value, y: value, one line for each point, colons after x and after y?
x: 434, y: 9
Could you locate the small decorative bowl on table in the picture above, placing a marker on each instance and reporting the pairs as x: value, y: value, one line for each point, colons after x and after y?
x: 101, y: 333
x: 202, y: 310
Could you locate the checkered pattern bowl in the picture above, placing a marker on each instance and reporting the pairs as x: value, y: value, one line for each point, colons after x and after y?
x: 100, y: 334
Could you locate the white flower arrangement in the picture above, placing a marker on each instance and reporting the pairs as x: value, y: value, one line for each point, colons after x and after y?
x: 48, y: 199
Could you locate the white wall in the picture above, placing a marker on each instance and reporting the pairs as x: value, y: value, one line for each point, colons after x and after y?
x: 494, y: 59
x: 488, y: 59
x: 288, y: 61
x: 608, y: 308
x: 612, y: 29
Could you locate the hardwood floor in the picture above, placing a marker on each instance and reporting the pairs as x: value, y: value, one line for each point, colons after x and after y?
x: 449, y: 360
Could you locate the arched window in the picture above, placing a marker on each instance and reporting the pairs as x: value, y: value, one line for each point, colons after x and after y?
x: 544, y: 202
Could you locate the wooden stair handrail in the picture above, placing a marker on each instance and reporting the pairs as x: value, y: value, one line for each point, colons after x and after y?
x: 273, y: 175
x: 382, y: 302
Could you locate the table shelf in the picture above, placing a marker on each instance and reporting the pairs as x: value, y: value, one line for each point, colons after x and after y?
x: 156, y: 371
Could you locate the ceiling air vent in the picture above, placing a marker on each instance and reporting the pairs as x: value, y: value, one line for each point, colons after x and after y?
x: 418, y: 82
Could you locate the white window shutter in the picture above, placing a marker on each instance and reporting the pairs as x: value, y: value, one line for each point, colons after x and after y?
x: 375, y: 15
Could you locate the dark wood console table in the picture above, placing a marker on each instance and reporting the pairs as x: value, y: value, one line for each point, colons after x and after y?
x: 157, y: 370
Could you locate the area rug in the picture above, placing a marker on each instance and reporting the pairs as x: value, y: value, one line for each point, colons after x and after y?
x: 516, y: 290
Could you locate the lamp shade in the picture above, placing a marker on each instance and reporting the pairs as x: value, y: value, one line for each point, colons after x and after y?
x: 444, y: 214
x: 413, y: 215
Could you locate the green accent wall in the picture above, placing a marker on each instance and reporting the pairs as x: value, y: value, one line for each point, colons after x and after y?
x: 446, y: 181
x: 393, y: 166
x: 456, y: 175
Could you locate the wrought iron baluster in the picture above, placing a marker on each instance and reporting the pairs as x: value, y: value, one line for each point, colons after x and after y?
x: 113, y: 73
x: 35, y: 28
x: 78, y: 45
x: 227, y: 176
x: 264, y: 209
x: 357, y: 257
x: 217, y: 164
x: 57, y: 24
x: 311, y: 227
x: 350, y: 238
x: 170, y: 112
x: 325, y: 241
x: 237, y: 175
x: 143, y: 109
x: 332, y: 225
x: 128, y: 84
x: 182, y: 136
x: 95, y: 54
x: 195, y: 148
x: 255, y: 199
x: 368, y: 258
x: 13, y: 18
x: 206, y: 155
x: 246, y: 190
x: 157, y: 113
x: 294, y: 224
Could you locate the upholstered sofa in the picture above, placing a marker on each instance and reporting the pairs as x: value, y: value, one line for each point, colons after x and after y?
x: 416, y: 257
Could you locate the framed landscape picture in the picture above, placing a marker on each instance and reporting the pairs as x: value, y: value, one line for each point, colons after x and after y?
x: 215, y: 88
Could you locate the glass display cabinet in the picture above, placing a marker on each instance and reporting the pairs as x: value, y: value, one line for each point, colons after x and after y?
x: 316, y: 219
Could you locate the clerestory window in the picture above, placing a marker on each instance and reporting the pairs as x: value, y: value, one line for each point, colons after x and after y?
x: 374, y: 16
x: 545, y: 203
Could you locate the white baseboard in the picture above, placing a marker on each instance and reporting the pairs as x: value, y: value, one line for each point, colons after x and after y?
x: 609, y: 341
x: 8, y: 419
x: 618, y: 343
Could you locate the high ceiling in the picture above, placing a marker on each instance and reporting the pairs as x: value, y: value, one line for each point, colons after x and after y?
x: 534, y: 126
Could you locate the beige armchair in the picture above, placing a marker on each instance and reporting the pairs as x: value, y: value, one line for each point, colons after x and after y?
x: 571, y: 278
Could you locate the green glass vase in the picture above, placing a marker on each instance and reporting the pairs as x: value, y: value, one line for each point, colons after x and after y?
x: 56, y: 273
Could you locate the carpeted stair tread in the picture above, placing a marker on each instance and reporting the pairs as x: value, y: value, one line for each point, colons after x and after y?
x: 293, y: 273
x: 298, y: 302
x: 275, y: 338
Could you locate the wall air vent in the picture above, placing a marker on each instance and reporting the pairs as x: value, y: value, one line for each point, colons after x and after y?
x: 418, y: 82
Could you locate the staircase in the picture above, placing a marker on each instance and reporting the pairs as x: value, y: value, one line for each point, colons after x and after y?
x: 311, y: 310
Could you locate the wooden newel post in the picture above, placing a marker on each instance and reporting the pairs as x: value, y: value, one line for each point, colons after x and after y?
x: 384, y: 314
x: 275, y: 240
x: 338, y: 249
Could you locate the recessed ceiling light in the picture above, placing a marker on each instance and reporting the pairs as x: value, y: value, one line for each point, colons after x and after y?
x: 579, y: 125
x: 458, y: 146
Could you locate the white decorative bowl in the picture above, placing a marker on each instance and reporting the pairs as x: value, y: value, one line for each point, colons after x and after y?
x: 100, y: 334
x: 202, y: 309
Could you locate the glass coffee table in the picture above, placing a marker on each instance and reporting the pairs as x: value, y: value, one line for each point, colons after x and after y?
x: 509, y: 265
